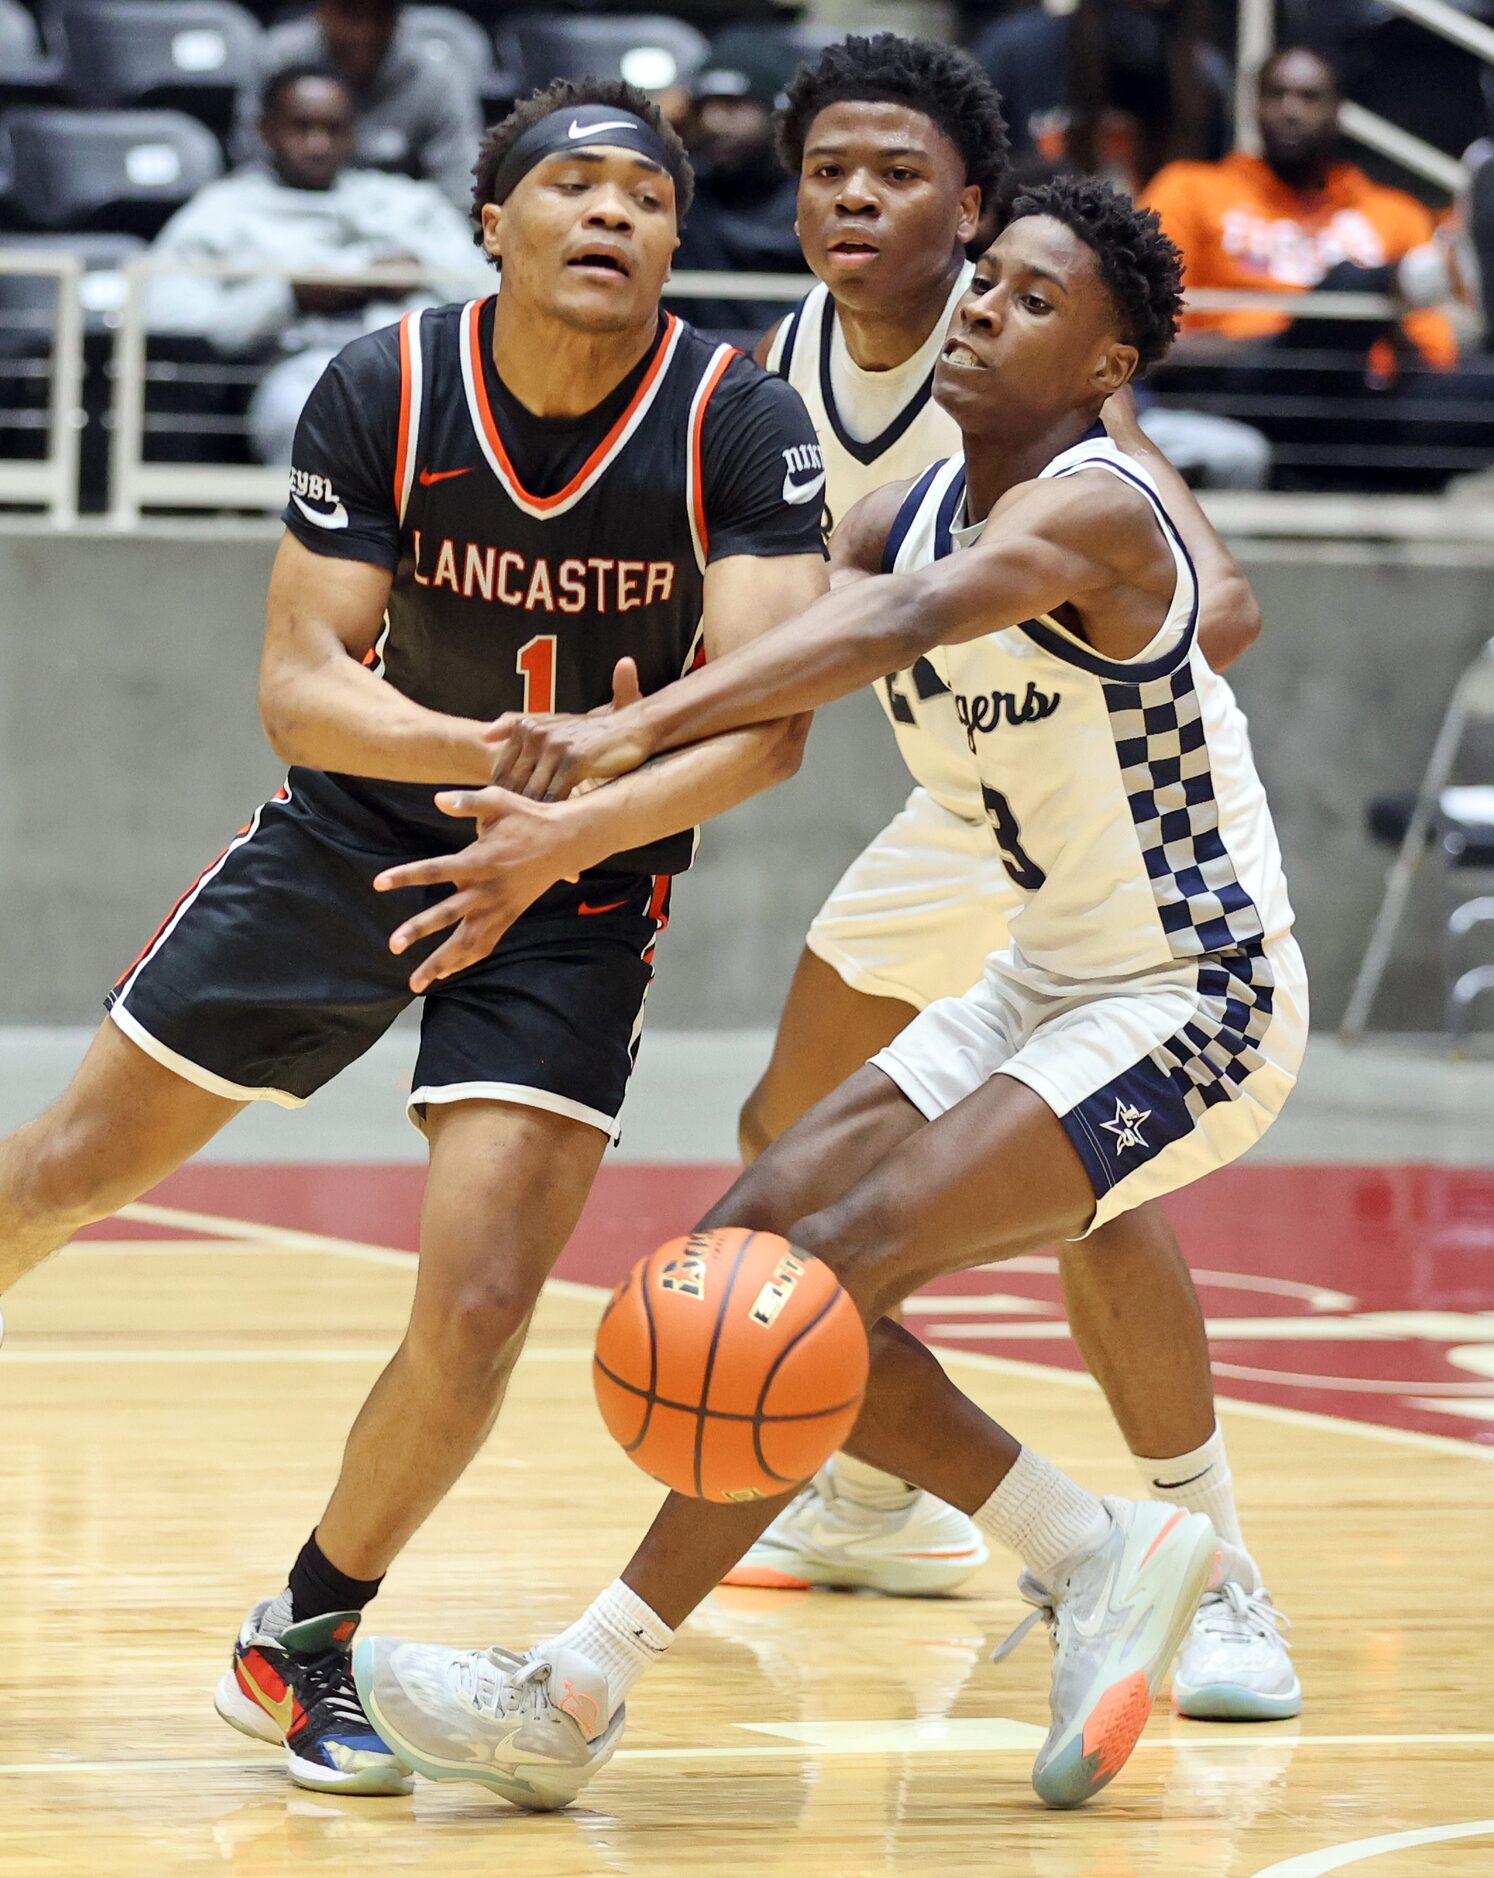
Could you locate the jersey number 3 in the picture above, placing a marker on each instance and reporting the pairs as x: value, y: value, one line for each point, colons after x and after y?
x: 1015, y: 858
x: 535, y: 664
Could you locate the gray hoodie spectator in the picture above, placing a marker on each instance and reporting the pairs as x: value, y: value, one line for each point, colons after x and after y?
x: 413, y: 116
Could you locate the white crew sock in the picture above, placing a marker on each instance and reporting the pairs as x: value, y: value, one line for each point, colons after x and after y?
x: 1199, y: 1480
x: 1042, y: 1515
x: 621, y: 1635
x: 868, y: 1486
x: 279, y: 1616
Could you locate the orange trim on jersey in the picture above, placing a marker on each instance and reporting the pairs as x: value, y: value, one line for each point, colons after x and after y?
x: 282, y: 794
x: 603, y: 449
x: 402, y: 447
x: 658, y: 905
x: 697, y: 477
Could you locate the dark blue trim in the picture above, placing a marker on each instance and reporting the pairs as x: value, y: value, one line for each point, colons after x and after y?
x: 864, y: 453
x: 954, y: 495
x: 786, y: 357
x: 907, y: 512
x: 1075, y: 652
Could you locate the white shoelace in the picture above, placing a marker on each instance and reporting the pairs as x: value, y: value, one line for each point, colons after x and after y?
x: 500, y: 1681
x: 1045, y: 1610
x: 1232, y: 1611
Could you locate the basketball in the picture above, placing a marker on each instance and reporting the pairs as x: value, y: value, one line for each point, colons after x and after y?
x: 730, y: 1366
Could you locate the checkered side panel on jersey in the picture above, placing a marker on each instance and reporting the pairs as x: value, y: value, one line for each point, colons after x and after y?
x: 1163, y: 1097
x: 1164, y: 758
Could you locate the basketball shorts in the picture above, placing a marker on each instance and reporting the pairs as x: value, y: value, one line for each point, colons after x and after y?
x: 918, y: 912
x: 273, y: 972
x: 1157, y: 1079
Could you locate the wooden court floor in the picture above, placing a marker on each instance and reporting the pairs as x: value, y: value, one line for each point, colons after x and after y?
x: 171, y: 1413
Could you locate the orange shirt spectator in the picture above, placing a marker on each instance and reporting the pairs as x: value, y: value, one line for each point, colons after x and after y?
x: 1279, y: 223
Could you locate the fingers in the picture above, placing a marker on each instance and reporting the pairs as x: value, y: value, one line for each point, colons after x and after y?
x: 625, y: 686
x: 548, y: 781
x: 472, y: 941
x: 475, y: 805
x: 431, y: 920
x: 431, y: 873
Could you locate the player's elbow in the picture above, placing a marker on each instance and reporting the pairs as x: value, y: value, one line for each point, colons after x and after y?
x: 277, y: 714
x: 1231, y: 624
x: 788, y: 751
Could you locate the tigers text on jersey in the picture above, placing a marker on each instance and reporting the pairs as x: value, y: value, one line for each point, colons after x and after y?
x: 529, y: 554
x: 877, y: 428
x: 1122, y: 793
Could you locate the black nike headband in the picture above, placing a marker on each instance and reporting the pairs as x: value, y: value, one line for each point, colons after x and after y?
x: 579, y: 127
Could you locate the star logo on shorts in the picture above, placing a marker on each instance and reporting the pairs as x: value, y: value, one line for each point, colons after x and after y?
x: 1127, y: 1126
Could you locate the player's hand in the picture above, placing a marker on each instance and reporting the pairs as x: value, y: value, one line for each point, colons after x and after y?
x: 1123, y: 424
x: 546, y: 757
x: 520, y: 850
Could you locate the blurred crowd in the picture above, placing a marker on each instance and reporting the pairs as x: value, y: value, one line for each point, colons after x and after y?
x: 349, y: 149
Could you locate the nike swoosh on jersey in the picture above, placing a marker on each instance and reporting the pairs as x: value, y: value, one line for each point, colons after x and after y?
x: 802, y: 492
x: 336, y: 517
x: 610, y: 907
x: 429, y: 476
x: 577, y: 131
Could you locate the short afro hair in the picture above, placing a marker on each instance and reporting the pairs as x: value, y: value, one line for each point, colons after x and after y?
x: 562, y: 95
x: 1139, y: 266
x: 942, y: 83
x: 303, y: 72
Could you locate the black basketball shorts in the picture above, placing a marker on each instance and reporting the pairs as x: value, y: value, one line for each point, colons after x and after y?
x: 273, y: 972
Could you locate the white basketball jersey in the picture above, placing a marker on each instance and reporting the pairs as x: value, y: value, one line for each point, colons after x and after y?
x: 877, y: 428
x: 1122, y: 793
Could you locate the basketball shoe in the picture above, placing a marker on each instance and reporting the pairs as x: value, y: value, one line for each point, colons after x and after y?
x: 1236, y: 1665
x: 297, y: 1690
x: 1116, y: 1618
x: 821, y: 1537
x: 531, y: 1726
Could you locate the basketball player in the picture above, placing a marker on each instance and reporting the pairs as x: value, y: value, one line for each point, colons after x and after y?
x: 898, y: 144
x: 1143, y: 1026
x: 489, y: 504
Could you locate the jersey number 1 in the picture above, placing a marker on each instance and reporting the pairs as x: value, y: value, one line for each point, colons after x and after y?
x: 536, y: 666
x: 1015, y: 858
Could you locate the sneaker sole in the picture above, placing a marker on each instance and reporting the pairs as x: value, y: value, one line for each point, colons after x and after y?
x: 910, y: 1578
x: 533, y: 1797
x: 1232, y: 1701
x: 1119, y: 1714
x: 241, y: 1712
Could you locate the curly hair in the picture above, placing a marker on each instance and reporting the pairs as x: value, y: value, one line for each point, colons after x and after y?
x: 1140, y: 267
x: 940, y: 82
x: 561, y: 96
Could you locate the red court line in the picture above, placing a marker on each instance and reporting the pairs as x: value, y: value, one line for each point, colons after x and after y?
x: 1413, y: 1241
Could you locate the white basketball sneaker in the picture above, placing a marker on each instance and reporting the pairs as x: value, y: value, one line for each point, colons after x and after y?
x: 1236, y: 1665
x: 922, y: 1549
x: 1115, y: 1619
x: 533, y: 1727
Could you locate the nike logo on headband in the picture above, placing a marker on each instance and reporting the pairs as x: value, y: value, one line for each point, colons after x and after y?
x: 578, y: 131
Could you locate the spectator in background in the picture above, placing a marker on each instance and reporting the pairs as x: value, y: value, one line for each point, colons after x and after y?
x: 742, y: 219
x: 1293, y: 218
x: 303, y: 207
x: 412, y: 115
x: 1114, y: 87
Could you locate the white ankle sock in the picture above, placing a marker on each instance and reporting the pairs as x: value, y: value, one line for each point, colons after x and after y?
x: 279, y: 1616
x: 621, y: 1635
x: 1042, y: 1515
x: 869, y: 1486
x: 1199, y: 1480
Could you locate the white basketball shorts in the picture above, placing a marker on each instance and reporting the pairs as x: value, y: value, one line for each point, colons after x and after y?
x: 919, y: 910
x: 1157, y: 1079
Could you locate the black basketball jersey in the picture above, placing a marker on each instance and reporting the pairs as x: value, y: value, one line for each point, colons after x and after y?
x: 530, y: 554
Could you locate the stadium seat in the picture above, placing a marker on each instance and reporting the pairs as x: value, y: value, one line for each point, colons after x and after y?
x: 185, y: 55
x: 451, y: 39
x: 119, y: 171
x: 28, y: 75
x: 650, y: 50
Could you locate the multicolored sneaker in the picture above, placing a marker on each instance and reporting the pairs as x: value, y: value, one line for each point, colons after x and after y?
x: 296, y: 1691
x: 1116, y: 1618
x: 921, y: 1550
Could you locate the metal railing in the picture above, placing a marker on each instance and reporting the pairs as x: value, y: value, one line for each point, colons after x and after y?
x: 50, y: 482
x: 1256, y: 35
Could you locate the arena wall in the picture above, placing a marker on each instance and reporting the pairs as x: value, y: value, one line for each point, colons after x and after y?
x: 130, y: 752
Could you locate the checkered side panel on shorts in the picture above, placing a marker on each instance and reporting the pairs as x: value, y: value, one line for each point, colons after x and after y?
x: 1164, y: 759
x: 1163, y: 1097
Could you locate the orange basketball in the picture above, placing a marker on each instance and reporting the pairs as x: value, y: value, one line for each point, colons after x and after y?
x: 730, y: 1366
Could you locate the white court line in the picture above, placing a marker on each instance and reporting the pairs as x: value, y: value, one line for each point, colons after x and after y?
x: 1356, y: 1851
x: 1000, y: 1365
x: 1316, y: 1297
x: 548, y: 1353
x: 967, y: 1735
